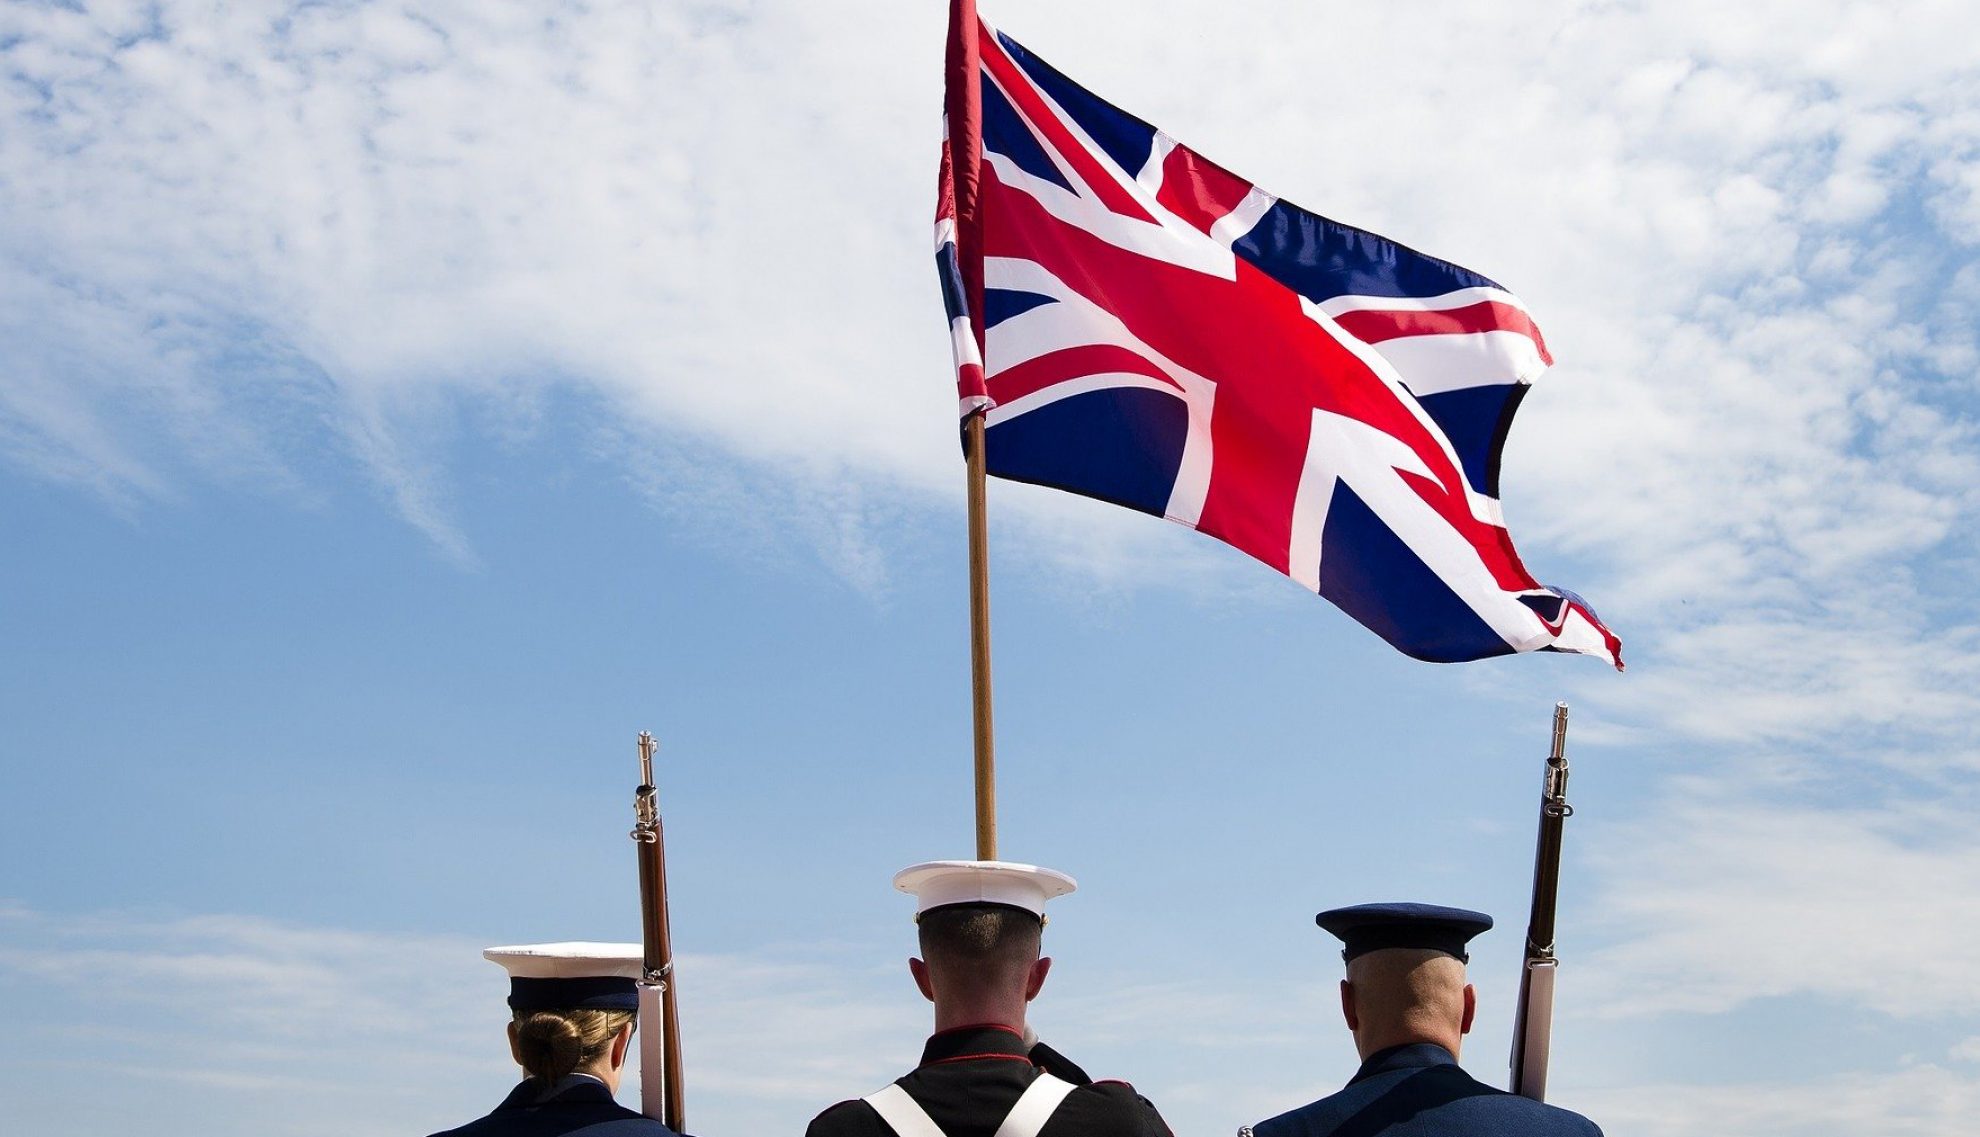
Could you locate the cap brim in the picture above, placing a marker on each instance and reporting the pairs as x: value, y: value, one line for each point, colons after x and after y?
x: 939, y: 884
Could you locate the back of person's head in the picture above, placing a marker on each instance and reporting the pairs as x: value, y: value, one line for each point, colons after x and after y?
x: 552, y: 1044
x: 980, y: 947
x: 1408, y: 994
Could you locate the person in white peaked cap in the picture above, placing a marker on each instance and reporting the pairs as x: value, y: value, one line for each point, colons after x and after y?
x: 984, y: 1072
x: 575, y: 1006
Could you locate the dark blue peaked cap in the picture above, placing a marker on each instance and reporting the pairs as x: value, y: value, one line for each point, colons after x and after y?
x: 1371, y: 927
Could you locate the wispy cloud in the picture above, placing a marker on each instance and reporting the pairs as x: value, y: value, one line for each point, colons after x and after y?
x: 1924, y: 1101
x: 432, y: 207
x: 398, y: 1031
x: 227, y: 233
x: 1727, y: 894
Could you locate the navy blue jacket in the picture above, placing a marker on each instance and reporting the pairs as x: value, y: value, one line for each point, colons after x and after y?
x: 582, y: 1109
x: 969, y: 1079
x: 1420, y: 1091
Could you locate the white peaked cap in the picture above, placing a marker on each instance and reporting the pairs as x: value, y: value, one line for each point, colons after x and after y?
x: 576, y: 959
x: 936, y: 884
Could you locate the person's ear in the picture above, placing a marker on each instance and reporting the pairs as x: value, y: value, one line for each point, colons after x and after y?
x: 621, y: 1045
x: 515, y: 1044
x: 1470, y: 1008
x: 1035, y: 979
x: 919, y: 970
x: 1347, y: 1006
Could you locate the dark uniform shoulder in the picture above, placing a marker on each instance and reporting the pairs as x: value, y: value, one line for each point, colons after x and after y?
x: 1106, y: 1108
x: 1438, y: 1101
x: 849, y: 1118
x: 1539, y: 1118
x: 1530, y: 1117
x: 591, y: 1119
x: 1565, y: 1122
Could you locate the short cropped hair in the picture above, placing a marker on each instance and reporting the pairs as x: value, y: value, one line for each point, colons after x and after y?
x: 987, y: 944
x: 1415, y: 988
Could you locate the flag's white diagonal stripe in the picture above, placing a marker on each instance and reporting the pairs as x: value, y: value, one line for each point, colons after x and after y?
x: 1452, y: 362
x: 1460, y: 298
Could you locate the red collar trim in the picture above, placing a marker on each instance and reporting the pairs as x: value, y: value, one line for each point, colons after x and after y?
x: 976, y: 1057
x: 974, y: 1042
x: 1005, y: 1027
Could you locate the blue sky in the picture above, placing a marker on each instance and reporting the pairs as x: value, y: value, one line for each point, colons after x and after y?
x: 402, y: 405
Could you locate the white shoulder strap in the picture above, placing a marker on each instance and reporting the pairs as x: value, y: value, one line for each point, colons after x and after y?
x: 1041, y: 1099
x: 1034, y: 1108
x: 902, y: 1113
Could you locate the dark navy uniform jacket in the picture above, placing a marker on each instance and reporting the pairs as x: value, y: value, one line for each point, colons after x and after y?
x: 1420, y: 1091
x: 969, y: 1079
x: 583, y: 1108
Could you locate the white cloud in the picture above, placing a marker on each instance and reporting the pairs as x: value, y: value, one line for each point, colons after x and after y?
x: 459, y: 201
x: 379, y: 1033
x: 254, y: 982
x: 232, y: 236
x: 247, y: 1025
x: 319, y: 1030
x: 1727, y: 894
x: 121, y: 1017
x: 1922, y: 1101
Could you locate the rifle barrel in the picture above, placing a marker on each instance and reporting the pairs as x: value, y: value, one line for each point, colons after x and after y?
x: 1554, y: 810
x: 657, y: 940
x: 1533, y: 1017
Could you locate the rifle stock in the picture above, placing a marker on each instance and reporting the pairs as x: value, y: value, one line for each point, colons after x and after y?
x: 1534, y: 1029
x: 660, y: 1073
x: 1533, y: 1024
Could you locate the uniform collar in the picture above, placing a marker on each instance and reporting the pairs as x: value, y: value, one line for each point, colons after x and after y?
x: 981, y: 1040
x: 572, y: 1089
x: 1409, y: 1056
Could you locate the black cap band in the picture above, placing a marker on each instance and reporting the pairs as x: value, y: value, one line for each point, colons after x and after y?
x: 1365, y: 940
x: 588, y: 994
x: 1363, y: 928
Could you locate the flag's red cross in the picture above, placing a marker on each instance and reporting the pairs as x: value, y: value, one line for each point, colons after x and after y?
x: 1251, y: 326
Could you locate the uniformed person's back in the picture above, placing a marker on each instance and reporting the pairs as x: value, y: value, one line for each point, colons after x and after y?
x: 575, y: 1006
x: 981, y: 1073
x: 579, y: 1108
x: 1407, y: 1002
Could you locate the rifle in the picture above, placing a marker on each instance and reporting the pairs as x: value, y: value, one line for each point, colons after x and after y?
x: 1534, y: 1022
x: 659, y: 1008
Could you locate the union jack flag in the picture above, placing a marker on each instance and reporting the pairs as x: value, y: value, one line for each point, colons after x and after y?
x: 1137, y: 324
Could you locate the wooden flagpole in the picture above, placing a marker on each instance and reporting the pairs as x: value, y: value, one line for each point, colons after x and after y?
x: 962, y: 103
x: 979, y: 644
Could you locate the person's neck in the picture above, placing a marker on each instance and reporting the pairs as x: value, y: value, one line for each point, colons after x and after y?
x: 604, y: 1072
x: 1368, y: 1043
x: 1001, y: 1012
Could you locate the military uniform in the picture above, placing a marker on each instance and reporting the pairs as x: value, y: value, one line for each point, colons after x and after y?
x: 973, y: 1078
x: 580, y: 1106
x: 559, y: 977
x: 1420, y: 1091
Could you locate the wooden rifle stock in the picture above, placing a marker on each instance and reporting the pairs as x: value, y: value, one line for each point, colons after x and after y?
x: 660, y: 1074
x: 1533, y: 1021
